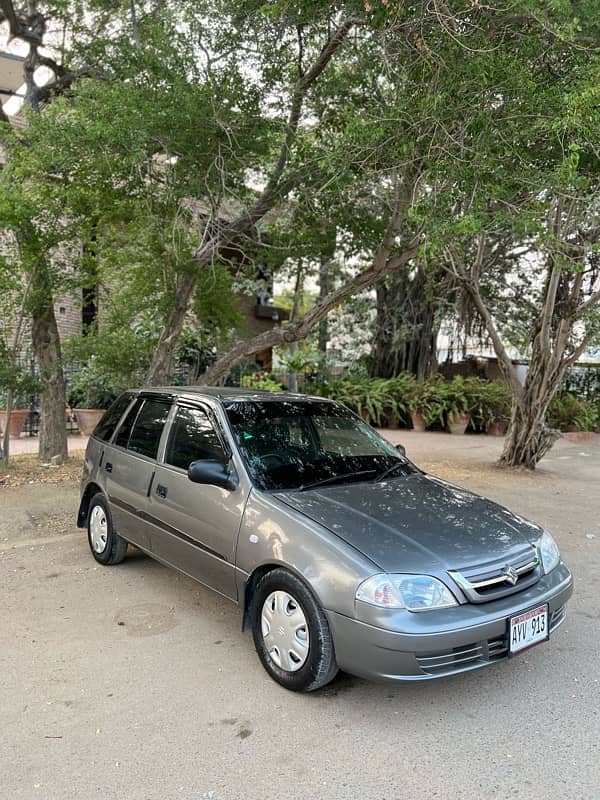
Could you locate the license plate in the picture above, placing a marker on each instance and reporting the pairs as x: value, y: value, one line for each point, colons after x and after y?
x: 528, y: 629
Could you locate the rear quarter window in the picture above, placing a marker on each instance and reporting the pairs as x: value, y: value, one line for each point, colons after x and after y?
x: 107, y: 425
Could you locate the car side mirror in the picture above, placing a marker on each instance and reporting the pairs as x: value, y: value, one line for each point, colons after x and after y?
x: 213, y: 473
x: 401, y: 449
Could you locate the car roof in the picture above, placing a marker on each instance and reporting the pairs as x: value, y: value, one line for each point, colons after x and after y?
x: 228, y: 393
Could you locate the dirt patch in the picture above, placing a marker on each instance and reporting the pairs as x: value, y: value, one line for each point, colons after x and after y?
x: 24, y: 469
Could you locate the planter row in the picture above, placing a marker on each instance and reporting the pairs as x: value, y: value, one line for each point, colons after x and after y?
x: 458, y: 424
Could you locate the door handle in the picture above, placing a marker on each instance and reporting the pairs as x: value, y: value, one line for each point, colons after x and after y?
x: 108, y: 466
x: 161, y: 490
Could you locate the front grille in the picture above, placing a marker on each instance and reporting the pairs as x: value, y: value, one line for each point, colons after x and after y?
x: 499, y: 578
x: 477, y: 654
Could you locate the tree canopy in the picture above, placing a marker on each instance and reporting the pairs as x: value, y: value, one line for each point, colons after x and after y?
x: 182, y: 152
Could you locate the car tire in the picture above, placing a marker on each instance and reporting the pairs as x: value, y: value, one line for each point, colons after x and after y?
x: 284, y: 612
x: 106, y: 545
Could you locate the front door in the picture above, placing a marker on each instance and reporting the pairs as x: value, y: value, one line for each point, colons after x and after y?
x: 192, y: 526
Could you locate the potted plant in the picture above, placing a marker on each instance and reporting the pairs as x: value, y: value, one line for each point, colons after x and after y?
x: 89, y: 396
x: 494, y: 408
x: 399, y: 390
x: 576, y: 418
x: 460, y: 397
x: 16, y: 387
x: 424, y: 402
x: 380, y: 402
x: 353, y: 393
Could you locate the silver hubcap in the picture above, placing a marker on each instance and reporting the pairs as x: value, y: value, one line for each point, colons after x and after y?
x: 98, y: 529
x: 285, y: 631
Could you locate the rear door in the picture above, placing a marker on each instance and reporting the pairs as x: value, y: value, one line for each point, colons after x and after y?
x: 195, y: 527
x: 129, y: 465
x: 98, y: 441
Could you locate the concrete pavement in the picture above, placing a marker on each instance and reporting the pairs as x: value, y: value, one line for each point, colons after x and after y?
x: 135, y: 683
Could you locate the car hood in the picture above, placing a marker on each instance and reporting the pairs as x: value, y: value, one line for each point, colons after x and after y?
x: 416, y: 522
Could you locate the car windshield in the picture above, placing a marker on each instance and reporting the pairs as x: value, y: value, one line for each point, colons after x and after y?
x: 296, y: 444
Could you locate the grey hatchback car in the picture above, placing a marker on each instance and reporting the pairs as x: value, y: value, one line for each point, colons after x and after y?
x: 340, y: 552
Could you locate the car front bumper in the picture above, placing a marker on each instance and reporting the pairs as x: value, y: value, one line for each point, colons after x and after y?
x: 437, y: 644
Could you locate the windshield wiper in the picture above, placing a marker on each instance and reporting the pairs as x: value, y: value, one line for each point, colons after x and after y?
x: 338, y: 479
x: 387, y: 472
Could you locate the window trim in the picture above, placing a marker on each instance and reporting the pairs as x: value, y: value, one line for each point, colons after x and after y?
x: 122, y: 420
x: 167, y: 399
x: 196, y: 406
x: 132, y: 397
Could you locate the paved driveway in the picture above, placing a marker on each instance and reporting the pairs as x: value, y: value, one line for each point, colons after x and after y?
x: 135, y: 683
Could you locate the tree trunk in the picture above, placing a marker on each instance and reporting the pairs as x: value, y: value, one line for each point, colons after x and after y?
x: 293, y: 376
x: 160, y: 370
x: 406, y: 327
x: 528, y: 438
x: 325, y: 284
x: 5, y: 444
x: 47, y: 350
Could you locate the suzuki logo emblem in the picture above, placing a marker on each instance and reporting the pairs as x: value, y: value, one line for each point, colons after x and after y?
x: 512, y: 576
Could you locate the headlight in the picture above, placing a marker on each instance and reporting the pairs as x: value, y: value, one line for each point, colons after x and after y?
x: 549, y: 552
x: 413, y: 592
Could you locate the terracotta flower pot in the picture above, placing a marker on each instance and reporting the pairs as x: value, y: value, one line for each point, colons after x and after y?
x: 87, y: 419
x: 18, y: 417
x: 457, y: 423
x: 579, y: 436
x: 418, y: 422
x: 497, y: 428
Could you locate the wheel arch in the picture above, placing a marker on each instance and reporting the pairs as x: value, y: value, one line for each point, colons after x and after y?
x: 252, y: 582
x: 91, y: 490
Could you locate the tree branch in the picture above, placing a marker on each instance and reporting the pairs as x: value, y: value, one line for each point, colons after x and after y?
x: 61, y: 84
x: 30, y: 29
x: 46, y: 61
x: 472, y: 288
x: 286, y: 334
x: 383, y: 263
x: 276, y: 187
x: 593, y: 300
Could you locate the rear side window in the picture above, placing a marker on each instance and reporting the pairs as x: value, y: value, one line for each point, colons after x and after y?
x: 147, y: 429
x: 192, y: 438
x: 106, y: 427
x: 123, y: 433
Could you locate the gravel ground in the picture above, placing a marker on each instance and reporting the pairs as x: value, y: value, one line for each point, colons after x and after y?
x: 135, y: 683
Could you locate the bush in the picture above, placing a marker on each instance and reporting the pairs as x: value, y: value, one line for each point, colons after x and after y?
x: 490, y: 402
x: 569, y: 413
x: 262, y: 381
x: 376, y: 400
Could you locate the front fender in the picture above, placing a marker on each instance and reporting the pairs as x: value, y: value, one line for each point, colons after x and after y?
x: 274, y: 534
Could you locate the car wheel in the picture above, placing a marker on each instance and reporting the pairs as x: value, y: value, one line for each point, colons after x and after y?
x: 106, y: 545
x: 291, y: 634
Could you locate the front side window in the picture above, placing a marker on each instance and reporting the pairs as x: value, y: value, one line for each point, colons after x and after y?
x: 106, y: 427
x: 192, y: 438
x: 295, y: 444
x: 147, y: 430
